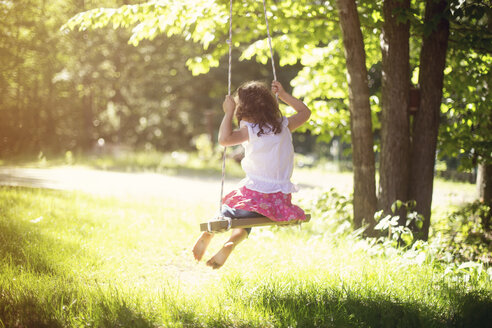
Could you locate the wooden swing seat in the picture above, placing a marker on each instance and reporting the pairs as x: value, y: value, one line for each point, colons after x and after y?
x: 221, y: 225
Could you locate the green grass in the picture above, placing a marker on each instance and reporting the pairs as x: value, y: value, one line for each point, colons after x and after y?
x: 69, y: 259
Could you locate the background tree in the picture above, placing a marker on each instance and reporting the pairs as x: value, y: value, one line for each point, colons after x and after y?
x: 426, y: 120
x: 64, y: 91
x: 365, y: 202
x: 395, y: 138
x: 466, y: 132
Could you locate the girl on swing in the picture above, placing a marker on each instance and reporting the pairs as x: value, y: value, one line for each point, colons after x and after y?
x: 268, y: 162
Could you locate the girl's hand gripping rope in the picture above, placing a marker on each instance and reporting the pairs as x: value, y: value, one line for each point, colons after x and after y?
x: 229, y: 105
x: 278, y: 89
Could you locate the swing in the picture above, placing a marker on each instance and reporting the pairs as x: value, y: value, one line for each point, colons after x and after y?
x: 221, y: 223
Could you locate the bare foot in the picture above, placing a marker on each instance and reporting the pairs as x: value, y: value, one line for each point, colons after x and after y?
x: 219, y: 259
x: 201, y: 245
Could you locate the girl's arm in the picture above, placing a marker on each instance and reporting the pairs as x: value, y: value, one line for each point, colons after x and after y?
x: 303, y: 112
x: 227, y: 136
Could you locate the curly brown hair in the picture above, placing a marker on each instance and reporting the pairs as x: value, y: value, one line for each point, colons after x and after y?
x: 257, y: 103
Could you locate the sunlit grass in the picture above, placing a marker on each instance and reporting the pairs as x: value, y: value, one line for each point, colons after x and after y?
x: 69, y: 259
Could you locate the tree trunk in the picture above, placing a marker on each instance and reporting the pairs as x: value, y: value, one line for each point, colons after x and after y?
x: 426, y: 121
x: 50, y: 141
x: 395, y: 142
x: 88, y: 112
x: 484, y: 186
x: 484, y: 182
x: 365, y: 201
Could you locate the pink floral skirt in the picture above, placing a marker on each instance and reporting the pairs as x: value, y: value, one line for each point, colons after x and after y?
x: 276, y: 206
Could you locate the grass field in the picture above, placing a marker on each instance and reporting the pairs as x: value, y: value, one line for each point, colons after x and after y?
x: 71, y: 259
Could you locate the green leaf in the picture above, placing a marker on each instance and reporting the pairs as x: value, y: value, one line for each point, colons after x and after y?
x: 396, y: 205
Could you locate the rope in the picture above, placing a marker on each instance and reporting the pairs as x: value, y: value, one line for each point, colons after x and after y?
x: 269, y: 42
x: 229, y: 41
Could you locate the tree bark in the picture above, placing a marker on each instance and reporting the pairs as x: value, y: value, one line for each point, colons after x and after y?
x: 484, y: 182
x: 365, y: 201
x: 395, y: 142
x: 88, y: 112
x: 426, y: 120
x: 484, y: 186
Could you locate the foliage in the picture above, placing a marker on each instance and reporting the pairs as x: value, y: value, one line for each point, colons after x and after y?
x: 459, y: 243
x: 305, y: 34
x: 466, y: 111
x: 84, y: 85
x: 314, y: 43
x: 464, y: 236
x: 333, y: 213
x: 63, y: 90
x: 466, y: 130
x: 396, y: 233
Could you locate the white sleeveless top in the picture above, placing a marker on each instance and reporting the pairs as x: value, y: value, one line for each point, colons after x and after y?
x: 269, y: 160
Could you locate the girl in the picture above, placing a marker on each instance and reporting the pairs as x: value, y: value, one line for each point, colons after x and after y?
x: 268, y: 162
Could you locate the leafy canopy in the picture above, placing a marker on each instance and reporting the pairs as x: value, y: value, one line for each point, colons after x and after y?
x: 307, y: 35
x: 302, y: 33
